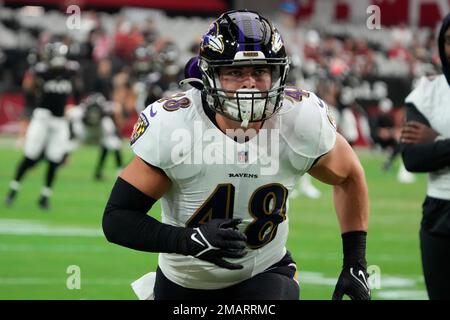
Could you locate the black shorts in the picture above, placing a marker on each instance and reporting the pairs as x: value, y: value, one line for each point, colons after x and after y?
x: 435, y: 252
x: 436, y: 217
x: 278, y: 282
x: 435, y: 247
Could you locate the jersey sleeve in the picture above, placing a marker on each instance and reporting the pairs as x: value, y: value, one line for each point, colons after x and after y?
x: 147, y: 139
x: 314, y: 127
x: 412, y: 114
x: 418, y: 96
x: 162, y: 135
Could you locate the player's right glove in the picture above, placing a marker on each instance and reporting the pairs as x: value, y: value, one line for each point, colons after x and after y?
x: 353, y: 278
x: 214, y: 241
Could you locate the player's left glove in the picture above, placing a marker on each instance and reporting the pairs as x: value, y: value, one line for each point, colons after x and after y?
x: 215, y: 240
x: 353, y: 280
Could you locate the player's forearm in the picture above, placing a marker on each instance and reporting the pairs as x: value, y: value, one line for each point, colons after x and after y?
x: 134, y: 230
x: 352, y: 201
x: 427, y: 157
x: 424, y: 157
x: 352, y: 207
x: 126, y: 223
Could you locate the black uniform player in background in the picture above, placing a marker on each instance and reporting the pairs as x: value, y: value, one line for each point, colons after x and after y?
x: 95, y: 121
x: 426, y: 139
x: 54, y: 79
x: 156, y: 72
x: 109, y: 136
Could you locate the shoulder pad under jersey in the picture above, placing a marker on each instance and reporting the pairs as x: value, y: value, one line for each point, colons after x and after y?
x: 428, y: 94
x: 155, y: 133
x: 308, y: 125
x: 420, y: 93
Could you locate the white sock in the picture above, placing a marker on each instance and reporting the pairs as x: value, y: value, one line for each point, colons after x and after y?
x: 14, y: 185
x: 46, y: 192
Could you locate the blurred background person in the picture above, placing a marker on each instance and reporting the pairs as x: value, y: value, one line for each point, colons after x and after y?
x: 426, y: 139
x: 53, y: 80
x: 93, y: 122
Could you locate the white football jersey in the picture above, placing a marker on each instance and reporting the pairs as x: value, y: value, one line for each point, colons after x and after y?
x: 213, y: 176
x: 432, y: 99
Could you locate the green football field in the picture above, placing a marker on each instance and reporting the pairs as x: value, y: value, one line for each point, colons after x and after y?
x: 38, y: 250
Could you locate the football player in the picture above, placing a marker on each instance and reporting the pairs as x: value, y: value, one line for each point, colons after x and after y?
x: 156, y: 72
x: 94, y: 121
x: 53, y: 80
x: 225, y: 211
x: 426, y: 148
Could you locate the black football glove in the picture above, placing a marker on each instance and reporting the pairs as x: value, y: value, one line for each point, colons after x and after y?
x: 352, y: 282
x: 353, y: 278
x: 216, y: 240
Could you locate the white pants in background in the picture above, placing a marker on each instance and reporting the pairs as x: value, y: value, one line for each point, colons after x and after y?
x: 46, y: 133
x: 109, y: 139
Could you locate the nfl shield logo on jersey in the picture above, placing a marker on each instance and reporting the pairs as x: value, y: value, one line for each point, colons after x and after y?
x: 243, y: 156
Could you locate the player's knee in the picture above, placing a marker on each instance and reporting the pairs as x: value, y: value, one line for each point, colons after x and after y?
x: 54, y: 164
x: 29, y: 163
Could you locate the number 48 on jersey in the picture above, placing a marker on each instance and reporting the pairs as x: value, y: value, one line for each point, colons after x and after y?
x: 267, y: 207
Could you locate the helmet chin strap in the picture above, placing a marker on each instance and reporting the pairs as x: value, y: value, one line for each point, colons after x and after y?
x: 244, y: 123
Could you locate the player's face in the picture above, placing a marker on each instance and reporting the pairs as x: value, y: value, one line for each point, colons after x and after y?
x: 447, y: 44
x: 254, y: 77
